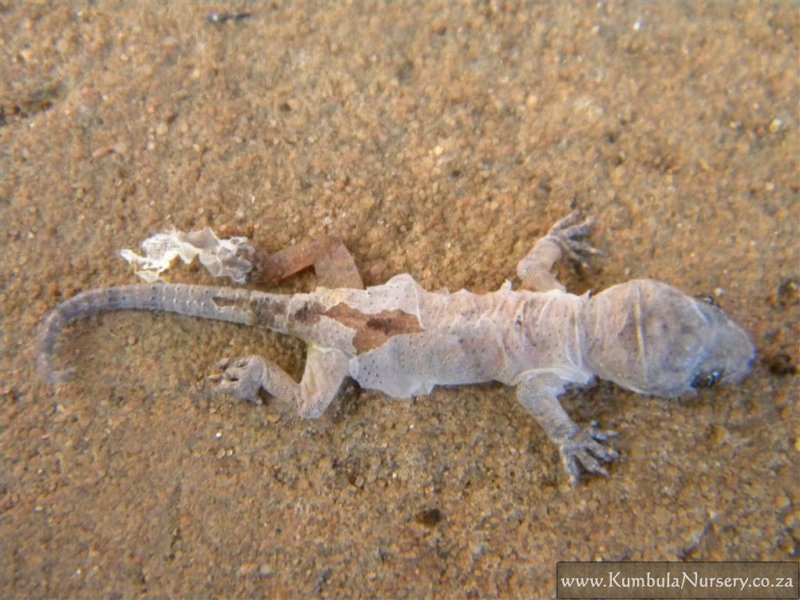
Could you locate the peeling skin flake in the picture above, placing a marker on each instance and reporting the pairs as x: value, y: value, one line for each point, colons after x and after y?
x: 222, y: 258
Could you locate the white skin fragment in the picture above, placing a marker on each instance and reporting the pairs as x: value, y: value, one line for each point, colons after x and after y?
x: 221, y: 257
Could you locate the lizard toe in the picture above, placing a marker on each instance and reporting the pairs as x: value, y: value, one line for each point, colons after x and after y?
x: 585, y: 450
x: 242, y: 378
x: 567, y: 233
x: 601, y: 435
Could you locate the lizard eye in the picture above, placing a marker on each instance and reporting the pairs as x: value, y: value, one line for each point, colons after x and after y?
x: 706, y: 380
x: 707, y: 299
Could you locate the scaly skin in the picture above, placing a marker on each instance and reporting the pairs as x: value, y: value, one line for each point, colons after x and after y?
x: 403, y: 340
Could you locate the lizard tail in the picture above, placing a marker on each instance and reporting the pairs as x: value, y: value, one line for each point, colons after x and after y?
x: 222, y: 304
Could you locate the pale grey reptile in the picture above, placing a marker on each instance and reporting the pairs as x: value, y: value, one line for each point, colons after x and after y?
x: 643, y: 335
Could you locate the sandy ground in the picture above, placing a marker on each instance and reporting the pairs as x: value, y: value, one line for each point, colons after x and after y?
x: 440, y: 140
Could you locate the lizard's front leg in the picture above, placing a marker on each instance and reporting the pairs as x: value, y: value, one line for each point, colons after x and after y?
x: 563, y: 238
x: 578, y: 447
x: 323, y: 375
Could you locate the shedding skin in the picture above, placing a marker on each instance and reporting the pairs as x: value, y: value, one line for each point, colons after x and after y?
x: 402, y: 340
x: 333, y: 264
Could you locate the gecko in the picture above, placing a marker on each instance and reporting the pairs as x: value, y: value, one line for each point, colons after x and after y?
x: 644, y: 335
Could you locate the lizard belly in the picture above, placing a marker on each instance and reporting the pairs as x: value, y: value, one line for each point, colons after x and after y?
x: 465, y: 338
x: 411, y: 365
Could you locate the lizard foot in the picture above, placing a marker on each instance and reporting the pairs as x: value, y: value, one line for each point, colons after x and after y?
x: 566, y: 232
x: 585, y: 449
x: 243, y: 377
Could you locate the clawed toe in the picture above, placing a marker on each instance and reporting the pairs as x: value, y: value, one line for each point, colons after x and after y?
x: 601, y: 435
x: 567, y: 233
x: 585, y: 451
x: 565, y: 222
x: 242, y: 377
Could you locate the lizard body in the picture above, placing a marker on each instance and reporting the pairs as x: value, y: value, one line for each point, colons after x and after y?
x: 402, y: 340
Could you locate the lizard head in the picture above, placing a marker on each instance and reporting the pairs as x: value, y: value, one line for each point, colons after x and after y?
x: 652, y: 338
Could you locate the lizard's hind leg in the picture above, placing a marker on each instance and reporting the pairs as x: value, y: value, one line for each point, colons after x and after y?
x: 535, y: 270
x: 324, y: 372
x: 332, y: 262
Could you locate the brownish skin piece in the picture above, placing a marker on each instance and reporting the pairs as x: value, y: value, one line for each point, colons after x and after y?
x: 643, y: 335
x: 332, y: 262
